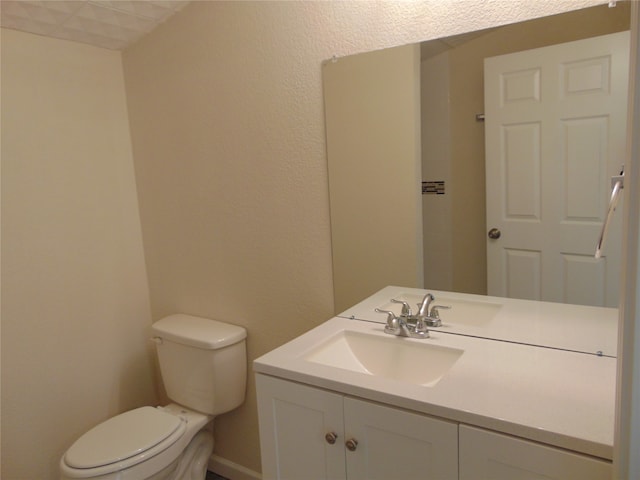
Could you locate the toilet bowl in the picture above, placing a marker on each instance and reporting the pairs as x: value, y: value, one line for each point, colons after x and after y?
x: 203, y: 366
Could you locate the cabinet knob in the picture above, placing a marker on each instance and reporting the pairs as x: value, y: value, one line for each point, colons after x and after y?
x: 331, y: 438
x: 351, y: 444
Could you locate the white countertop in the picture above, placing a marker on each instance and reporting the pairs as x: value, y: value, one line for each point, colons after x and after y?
x: 554, y: 325
x: 562, y: 398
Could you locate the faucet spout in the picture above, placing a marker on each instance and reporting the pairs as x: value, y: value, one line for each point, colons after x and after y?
x: 429, y: 314
x: 423, y: 307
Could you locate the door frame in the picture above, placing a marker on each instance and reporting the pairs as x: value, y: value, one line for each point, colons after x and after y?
x: 627, y: 424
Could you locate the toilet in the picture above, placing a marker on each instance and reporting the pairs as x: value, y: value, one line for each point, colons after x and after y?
x: 204, y: 369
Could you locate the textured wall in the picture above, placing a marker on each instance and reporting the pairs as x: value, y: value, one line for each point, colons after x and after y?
x: 75, y: 305
x: 372, y: 115
x: 225, y: 104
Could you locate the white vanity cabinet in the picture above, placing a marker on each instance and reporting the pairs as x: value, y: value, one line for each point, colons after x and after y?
x: 307, y: 433
x: 490, y: 455
x: 310, y: 433
x: 501, y: 410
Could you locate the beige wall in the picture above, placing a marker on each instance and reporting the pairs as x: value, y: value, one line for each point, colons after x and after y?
x: 373, y: 156
x: 75, y: 308
x: 436, y: 166
x: 225, y: 104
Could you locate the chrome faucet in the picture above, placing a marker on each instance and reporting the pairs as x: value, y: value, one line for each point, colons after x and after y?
x: 430, y: 316
x: 409, y: 325
x: 423, y: 307
x: 405, y: 325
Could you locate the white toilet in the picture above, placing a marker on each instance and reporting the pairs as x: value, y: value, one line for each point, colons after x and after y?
x: 204, y: 369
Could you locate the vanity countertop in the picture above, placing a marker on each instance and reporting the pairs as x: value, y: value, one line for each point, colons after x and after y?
x: 555, y: 325
x: 562, y: 398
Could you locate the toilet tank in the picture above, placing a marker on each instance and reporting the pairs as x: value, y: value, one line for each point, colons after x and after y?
x: 203, y: 362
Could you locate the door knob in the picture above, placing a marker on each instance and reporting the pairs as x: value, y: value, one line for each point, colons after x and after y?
x: 331, y: 438
x: 494, y: 234
x: 351, y: 444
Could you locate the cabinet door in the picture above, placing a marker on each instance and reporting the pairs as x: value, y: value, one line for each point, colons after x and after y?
x: 400, y: 445
x: 294, y: 421
x: 490, y: 455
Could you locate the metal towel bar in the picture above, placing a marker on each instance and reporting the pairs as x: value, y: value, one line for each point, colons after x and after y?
x: 615, y: 193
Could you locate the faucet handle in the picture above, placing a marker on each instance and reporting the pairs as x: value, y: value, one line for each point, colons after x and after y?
x: 406, y: 309
x: 390, y: 315
x: 393, y: 323
x: 433, y: 319
x: 435, y: 310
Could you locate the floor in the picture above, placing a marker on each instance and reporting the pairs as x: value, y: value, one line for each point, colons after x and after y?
x: 213, y: 476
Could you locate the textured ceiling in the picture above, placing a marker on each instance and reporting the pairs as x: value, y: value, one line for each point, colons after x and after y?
x: 112, y: 24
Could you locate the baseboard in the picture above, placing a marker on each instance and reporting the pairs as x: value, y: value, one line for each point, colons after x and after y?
x: 231, y: 470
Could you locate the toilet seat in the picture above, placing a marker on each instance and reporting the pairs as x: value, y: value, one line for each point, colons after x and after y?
x: 125, y: 440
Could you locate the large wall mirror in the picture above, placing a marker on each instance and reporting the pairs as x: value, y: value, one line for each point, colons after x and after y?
x: 407, y: 161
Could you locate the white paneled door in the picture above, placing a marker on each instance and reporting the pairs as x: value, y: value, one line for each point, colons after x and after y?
x: 555, y: 133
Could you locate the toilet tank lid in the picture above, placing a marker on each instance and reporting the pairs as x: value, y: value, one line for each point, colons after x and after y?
x: 198, y: 331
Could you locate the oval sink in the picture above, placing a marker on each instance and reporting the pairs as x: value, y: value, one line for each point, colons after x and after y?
x: 397, y: 358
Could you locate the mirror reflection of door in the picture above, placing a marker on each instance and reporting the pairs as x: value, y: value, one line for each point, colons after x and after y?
x: 555, y: 124
x: 373, y: 240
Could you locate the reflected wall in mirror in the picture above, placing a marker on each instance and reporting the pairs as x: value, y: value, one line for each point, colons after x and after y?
x: 381, y: 148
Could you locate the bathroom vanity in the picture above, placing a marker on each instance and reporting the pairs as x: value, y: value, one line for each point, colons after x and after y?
x: 504, y: 389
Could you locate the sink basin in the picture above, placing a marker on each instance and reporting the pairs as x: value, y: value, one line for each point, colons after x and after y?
x: 463, y: 312
x: 397, y: 358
